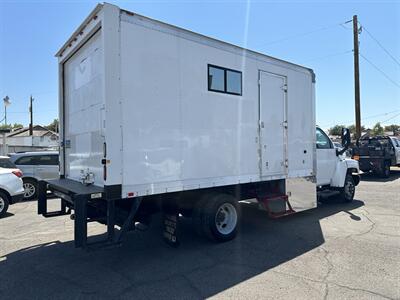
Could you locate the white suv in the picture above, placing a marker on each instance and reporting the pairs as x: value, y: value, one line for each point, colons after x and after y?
x: 11, y: 188
x: 36, y: 166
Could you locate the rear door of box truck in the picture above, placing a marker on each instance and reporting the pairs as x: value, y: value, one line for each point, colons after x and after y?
x: 84, y: 111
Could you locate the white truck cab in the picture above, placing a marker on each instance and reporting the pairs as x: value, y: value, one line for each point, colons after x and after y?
x: 336, y: 172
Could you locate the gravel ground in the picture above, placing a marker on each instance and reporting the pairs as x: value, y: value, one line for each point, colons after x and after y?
x: 337, y: 251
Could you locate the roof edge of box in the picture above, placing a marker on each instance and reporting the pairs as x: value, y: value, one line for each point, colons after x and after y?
x: 93, y: 13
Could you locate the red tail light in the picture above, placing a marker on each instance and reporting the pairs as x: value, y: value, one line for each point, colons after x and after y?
x: 17, y: 173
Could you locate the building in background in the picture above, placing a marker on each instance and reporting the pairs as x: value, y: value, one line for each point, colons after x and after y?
x: 42, y: 139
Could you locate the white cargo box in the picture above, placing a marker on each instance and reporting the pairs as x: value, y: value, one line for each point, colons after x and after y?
x: 150, y: 108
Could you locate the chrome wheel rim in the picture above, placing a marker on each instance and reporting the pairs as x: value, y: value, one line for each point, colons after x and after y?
x: 2, y: 204
x: 29, y: 190
x: 226, y: 218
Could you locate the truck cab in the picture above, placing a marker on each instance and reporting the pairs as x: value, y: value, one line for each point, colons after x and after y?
x: 335, y: 172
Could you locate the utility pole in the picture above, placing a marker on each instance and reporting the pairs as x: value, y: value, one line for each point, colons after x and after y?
x: 356, y: 77
x: 31, y: 116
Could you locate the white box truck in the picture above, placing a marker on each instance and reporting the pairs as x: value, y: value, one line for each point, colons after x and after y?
x: 157, y: 118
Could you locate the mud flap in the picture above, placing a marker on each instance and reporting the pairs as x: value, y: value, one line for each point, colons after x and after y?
x: 170, y: 222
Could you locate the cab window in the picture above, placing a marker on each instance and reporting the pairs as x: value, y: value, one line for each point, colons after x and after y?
x: 323, y: 141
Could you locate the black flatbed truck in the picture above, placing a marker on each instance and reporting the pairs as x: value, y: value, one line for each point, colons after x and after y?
x: 377, y: 154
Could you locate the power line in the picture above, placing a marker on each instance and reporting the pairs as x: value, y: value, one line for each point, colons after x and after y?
x: 380, y: 45
x: 379, y: 70
x: 300, y: 34
x: 391, y: 118
x: 329, y: 55
x: 369, y: 117
x: 384, y: 114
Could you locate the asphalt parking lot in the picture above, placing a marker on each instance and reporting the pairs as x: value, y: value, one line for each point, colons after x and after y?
x: 337, y: 251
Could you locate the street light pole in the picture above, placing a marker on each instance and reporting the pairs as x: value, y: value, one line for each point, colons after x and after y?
x: 7, y: 102
x: 4, y: 131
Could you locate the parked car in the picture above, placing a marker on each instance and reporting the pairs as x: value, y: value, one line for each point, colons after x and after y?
x: 6, y: 163
x: 11, y: 188
x: 36, y: 166
x: 337, y: 145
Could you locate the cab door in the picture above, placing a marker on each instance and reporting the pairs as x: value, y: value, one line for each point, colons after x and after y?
x: 326, y: 158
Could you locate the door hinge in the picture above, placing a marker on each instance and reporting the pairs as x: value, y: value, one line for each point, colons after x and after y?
x: 285, y: 88
x: 285, y: 124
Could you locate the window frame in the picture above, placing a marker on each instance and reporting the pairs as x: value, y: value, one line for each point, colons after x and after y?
x: 225, y: 91
x: 52, y: 158
x: 18, y: 160
x: 326, y: 136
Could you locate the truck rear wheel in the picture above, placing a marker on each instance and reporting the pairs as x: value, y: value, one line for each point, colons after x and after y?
x: 219, y: 217
x: 348, y: 190
x: 197, y: 215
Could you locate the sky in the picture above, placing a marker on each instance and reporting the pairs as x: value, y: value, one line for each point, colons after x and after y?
x: 309, y: 33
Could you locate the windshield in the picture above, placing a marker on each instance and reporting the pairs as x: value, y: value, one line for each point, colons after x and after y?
x: 6, y: 163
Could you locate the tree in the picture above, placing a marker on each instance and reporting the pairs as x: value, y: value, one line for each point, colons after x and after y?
x: 393, y: 128
x: 377, y: 129
x: 336, y: 130
x: 53, y: 126
x: 11, y: 126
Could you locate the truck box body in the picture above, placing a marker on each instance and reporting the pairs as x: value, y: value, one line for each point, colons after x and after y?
x: 142, y: 112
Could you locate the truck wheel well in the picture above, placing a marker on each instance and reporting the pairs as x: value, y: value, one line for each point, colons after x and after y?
x: 351, y: 171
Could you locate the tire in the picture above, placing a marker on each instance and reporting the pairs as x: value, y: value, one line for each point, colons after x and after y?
x: 348, y: 190
x: 385, y: 170
x: 31, y: 189
x: 197, y: 216
x: 4, y: 203
x: 220, y: 218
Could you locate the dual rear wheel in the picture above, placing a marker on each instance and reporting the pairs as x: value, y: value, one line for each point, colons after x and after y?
x: 216, y: 216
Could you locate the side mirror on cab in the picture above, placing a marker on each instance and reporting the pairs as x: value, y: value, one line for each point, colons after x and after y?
x: 346, y: 140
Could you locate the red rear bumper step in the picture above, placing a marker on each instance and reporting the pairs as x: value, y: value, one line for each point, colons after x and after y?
x: 277, y: 206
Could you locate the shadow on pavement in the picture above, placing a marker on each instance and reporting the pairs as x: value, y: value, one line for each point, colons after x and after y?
x: 145, y: 267
x: 394, y: 174
x: 7, y: 214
